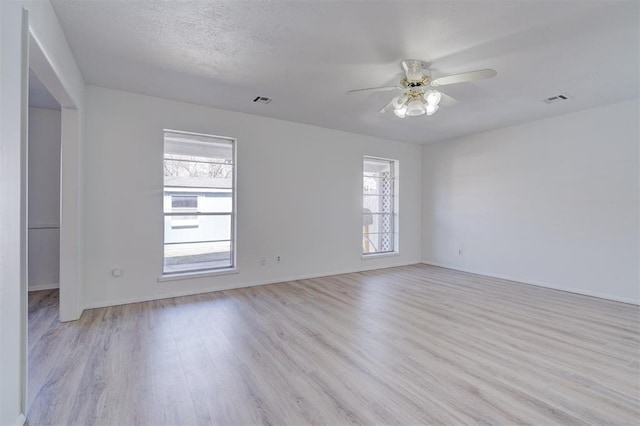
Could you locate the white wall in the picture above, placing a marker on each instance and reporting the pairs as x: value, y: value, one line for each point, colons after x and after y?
x: 44, y: 198
x: 552, y: 202
x: 13, y: 75
x: 299, y: 197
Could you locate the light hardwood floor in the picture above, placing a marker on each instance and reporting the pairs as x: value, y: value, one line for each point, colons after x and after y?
x: 408, y: 345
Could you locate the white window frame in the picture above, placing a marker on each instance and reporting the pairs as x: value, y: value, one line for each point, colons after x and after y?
x: 395, y: 167
x: 196, y: 273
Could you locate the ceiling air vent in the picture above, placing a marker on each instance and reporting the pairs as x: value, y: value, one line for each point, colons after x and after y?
x: 558, y: 98
x: 262, y: 100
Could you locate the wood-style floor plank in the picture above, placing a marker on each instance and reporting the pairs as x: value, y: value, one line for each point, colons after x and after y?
x: 409, y: 345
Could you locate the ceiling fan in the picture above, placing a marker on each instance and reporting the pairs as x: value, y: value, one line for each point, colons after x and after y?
x: 419, y: 94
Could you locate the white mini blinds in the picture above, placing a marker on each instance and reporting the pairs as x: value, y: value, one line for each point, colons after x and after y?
x: 199, y: 202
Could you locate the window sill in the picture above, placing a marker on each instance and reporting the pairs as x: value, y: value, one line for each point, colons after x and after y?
x: 379, y: 255
x: 198, y: 274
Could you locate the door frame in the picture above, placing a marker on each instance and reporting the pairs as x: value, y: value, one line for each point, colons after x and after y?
x: 70, y: 178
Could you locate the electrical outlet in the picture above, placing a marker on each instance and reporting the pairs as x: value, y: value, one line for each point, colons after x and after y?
x: 263, y: 261
x: 460, y: 252
x: 278, y: 259
x: 117, y: 272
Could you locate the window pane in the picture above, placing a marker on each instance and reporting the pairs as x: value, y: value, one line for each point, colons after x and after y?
x: 377, y: 243
x: 202, y: 228
x: 220, y: 201
x: 198, y: 146
x: 373, y: 166
x: 378, y: 232
x: 197, y: 175
x: 378, y: 203
x: 196, y: 256
x: 379, y: 222
x: 376, y: 184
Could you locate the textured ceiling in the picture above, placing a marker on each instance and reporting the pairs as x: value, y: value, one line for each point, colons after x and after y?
x: 307, y: 54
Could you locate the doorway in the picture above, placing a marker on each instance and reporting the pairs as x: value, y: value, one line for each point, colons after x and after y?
x: 68, y: 191
x: 43, y: 175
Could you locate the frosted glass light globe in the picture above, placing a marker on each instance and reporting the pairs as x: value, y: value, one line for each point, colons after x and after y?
x: 400, y: 112
x: 415, y: 108
x: 431, y: 109
x: 433, y: 98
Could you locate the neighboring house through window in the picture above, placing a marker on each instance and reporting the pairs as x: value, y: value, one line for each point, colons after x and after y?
x: 199, y: 202
x: 379, y: 206
x: 183, y: 203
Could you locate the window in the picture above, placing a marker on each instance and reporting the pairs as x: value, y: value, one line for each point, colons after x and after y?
x: 199, y: 202
x: 379, y: 206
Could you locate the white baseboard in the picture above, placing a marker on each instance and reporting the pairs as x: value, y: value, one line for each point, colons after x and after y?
x: 21, y: 420
x: 126, y: 301
x: 537, y: 283
x: 39, y: 287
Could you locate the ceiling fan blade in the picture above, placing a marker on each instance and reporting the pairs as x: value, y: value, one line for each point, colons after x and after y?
x: 464, y: 77
x: 376, y: 89
x: 387, y: 107
x: 413, y: 69
x: 447, y: 101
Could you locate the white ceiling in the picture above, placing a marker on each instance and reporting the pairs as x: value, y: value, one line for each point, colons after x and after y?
x: 307, y: 54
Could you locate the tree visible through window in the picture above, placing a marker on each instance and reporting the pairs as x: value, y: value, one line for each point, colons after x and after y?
x: 379, y: 206
x: 199, y: 191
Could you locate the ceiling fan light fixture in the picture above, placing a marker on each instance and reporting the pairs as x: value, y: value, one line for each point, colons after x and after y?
x: 400, y: 112
x: 415, y: 108
x: 431, y: 109
x: 432, y: 98
x: 420, y: 90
